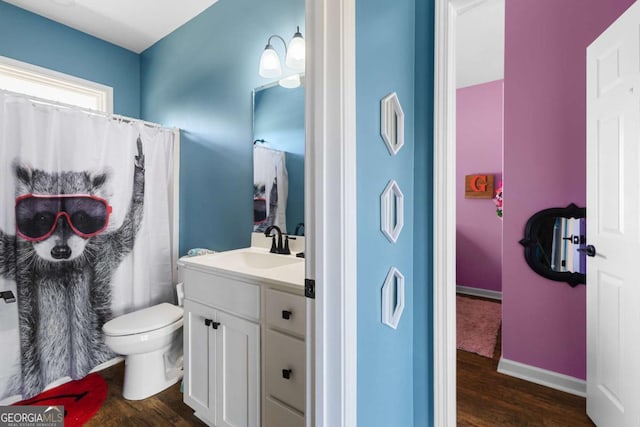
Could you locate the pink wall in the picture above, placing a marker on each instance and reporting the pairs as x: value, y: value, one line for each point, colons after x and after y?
x: 479, y: 150
x: 544, y: 322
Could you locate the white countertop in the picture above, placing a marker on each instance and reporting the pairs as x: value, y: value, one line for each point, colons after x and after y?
x: 291, y: 274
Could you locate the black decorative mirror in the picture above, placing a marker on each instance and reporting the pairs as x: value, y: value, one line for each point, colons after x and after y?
x: 555, y: 244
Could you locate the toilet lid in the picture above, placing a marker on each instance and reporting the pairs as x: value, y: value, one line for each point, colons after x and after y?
x: 145, y: 320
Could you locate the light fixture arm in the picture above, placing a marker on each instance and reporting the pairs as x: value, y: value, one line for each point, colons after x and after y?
x: 281, y: 39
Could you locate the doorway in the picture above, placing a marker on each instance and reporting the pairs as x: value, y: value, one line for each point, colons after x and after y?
x: 566, y: 301
x: 444, y: 266
x: 479, y: 146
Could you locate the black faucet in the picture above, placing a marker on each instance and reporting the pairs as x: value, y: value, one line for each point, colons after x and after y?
x: 278, y: 248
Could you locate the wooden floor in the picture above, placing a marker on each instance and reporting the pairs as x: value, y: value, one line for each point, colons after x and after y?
x: 163, y: 409
x: 487, y: 398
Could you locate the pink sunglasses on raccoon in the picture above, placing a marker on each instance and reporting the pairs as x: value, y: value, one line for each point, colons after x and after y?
x: 37, y: 215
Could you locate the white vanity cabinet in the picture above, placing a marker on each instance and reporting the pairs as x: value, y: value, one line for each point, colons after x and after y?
x: 244, y: 345
x: 221, y: 352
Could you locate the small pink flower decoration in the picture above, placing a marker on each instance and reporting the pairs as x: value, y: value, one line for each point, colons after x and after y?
x: 498, y: 200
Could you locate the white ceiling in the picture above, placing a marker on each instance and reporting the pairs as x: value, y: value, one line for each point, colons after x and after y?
x: 132, y: 24
x: 138, y: 24
x: 479, y: 41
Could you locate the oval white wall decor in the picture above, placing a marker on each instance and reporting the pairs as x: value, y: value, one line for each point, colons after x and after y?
x: 392, y: 123
x: 393, y: 298
x: 391, y: 211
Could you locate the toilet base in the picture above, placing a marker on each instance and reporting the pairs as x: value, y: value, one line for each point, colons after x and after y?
x: 146, y: 374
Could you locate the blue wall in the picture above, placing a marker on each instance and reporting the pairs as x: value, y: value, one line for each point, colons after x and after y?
x: 279, y: 119
x: 423, y: 226
x: 30, y: 38
x: 384, y: 64
x: 200, y: 78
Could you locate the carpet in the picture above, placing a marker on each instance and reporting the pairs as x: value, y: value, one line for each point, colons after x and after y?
x: 477, y: 324
x: 81, y: 399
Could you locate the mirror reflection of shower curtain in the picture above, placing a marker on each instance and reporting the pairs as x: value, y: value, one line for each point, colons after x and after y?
x: 270, y: 189
x: 72, y: 275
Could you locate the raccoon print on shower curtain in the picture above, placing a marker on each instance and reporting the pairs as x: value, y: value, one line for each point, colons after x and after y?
x: 66, y: 260
x: 66, y: 244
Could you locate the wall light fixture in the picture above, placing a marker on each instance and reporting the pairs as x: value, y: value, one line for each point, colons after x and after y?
x: 271, y: 67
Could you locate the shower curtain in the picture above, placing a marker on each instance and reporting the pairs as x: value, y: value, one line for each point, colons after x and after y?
x: 85, y: 235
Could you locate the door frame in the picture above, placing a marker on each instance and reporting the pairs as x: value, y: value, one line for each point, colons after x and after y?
x: 330, y: 192
x: 444, y: 212
x: 331, y: 196
x: 330, y: 201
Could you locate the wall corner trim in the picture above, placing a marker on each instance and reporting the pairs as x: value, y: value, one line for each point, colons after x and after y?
x: 331, y: 200
x: 543, y: 377
x: 444, y: 214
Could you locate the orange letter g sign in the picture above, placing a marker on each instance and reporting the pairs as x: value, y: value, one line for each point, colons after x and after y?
x: 479, y: 183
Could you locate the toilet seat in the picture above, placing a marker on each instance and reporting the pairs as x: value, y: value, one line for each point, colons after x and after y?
x: 142, y: 321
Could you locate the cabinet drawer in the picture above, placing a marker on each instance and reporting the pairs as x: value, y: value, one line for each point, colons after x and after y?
x: 277, y: 415
x: 224, y: 293
x: 285, y: 353
x: 280, y: 305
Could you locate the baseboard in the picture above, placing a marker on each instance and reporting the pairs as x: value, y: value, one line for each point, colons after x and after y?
x: 108, y: 363
x: 543, y: 377
x: 476, y: 292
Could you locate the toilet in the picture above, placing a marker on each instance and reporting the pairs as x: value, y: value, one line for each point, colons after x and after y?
x: 151, y: 341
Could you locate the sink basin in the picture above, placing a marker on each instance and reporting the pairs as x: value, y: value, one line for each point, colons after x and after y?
x: 256, y: 260
x: 255, y: 263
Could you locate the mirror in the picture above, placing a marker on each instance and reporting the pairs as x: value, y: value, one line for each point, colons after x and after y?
x: 278, y: 158
x: 554, y: 244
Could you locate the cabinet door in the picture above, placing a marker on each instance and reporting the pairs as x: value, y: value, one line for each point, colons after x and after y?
x: 238, y: 384
x: 199, y: 363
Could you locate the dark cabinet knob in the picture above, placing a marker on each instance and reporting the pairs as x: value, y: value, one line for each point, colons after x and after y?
x: 590, y: 250
x: 209, y: 322
x: 286, y: 373
x: 286, y: 314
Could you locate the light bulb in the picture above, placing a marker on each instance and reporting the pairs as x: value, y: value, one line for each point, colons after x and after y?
x: 296, y: 52
x: 270, y: 63
x: 290, y: 82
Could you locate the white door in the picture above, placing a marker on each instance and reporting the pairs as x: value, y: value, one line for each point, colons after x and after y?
x: 238, y: 370
x: 613, y: 223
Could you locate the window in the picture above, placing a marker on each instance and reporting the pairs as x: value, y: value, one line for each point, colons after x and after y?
x: 20, y: 77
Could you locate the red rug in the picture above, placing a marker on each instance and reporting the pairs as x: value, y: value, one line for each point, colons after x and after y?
x: 477, y: 324
x: 81, y: 399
